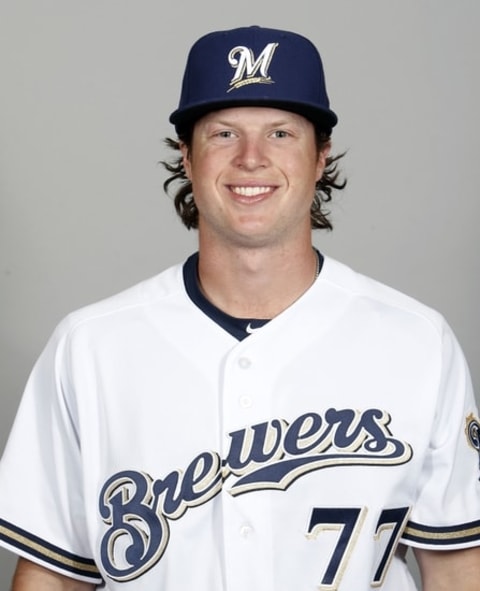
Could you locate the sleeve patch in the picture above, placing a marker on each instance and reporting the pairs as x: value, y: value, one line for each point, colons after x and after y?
x: 20, y: 539
x: 472, y: 431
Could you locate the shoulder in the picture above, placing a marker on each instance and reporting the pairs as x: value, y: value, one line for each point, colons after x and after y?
x: 377, y: 298
x: 163, y: 290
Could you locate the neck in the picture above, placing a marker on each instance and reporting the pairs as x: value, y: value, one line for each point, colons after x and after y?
x: 256, y: 283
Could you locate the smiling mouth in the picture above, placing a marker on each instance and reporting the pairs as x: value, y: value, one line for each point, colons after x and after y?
x: 251, y: 191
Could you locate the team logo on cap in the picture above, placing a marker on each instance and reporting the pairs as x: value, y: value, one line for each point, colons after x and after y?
x: 249, y: 70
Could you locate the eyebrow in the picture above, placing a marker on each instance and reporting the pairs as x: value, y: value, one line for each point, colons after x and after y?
x: 274, y: 123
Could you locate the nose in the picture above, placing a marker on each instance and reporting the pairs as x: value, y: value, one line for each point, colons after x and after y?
x: 251, y: 153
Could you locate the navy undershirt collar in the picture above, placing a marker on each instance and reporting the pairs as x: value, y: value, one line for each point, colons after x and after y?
x: 240, y: 328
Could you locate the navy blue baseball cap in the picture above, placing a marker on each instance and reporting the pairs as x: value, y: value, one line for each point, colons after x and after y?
x: 253, y: 66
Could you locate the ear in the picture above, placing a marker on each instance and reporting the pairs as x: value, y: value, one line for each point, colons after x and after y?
x: 187, y: 164
x: 322, y: 160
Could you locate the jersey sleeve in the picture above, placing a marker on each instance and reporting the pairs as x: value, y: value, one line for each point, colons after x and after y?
x: 42, y: 516
x: 446, y: 514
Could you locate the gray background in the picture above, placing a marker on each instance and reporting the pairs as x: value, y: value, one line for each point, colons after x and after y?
x: 85, y: 90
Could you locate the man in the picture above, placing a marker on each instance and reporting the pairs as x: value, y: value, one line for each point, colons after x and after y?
x: 260, y: 417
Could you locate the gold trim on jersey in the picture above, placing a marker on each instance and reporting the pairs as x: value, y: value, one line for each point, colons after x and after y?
x: 442, y: 534
x: 71, y: 564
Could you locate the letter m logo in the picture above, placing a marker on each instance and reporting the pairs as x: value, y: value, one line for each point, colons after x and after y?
x: 247, y: 68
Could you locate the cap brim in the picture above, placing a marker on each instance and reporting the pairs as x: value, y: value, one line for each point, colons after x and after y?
x: 184, y: 118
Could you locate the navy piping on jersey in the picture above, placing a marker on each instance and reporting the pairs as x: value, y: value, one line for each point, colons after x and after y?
x: 37, y: 547
x: 240, y: 328
x: 443, y: 535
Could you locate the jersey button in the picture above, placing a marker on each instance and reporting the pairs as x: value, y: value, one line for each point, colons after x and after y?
x: 246, y: 531
x: 245, y: 401
x: 244, y: 362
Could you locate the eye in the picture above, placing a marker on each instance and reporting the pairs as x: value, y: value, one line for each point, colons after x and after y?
x: 280, y: 133
x: 224, y: 133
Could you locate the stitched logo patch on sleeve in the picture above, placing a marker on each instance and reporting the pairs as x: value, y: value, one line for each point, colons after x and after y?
x: 472, y: 431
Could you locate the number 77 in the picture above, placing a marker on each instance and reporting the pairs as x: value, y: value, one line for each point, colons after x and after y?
x: 348, y: 522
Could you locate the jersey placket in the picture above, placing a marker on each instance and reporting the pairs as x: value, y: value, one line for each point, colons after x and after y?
x: 246, y: 517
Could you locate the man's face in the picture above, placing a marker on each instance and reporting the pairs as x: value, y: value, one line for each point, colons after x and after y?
x: 253, y: 172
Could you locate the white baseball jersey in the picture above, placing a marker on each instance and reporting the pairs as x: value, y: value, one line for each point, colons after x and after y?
x: 154, y: 449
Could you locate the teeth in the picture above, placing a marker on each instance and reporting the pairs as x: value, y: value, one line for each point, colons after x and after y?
x: 250, y: 191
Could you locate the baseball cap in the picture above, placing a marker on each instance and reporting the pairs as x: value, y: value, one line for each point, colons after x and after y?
x: 253, y: 66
